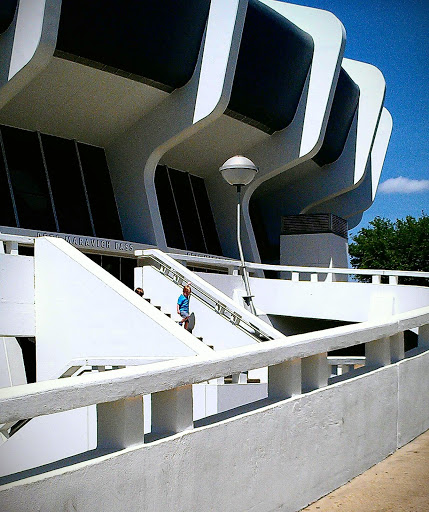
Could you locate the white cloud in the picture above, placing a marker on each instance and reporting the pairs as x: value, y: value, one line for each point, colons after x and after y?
x: 403, y: 185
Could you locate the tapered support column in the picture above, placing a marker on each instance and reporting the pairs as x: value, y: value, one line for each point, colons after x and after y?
x: 314, y: 372
x: 172, y: 410
x: 284, y: 379
x: 397, y: 347
x: 423, y: 339
x: 377, y: 352
x: 120, y: 423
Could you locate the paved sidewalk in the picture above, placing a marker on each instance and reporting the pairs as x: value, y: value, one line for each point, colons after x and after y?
x: 399, y: 483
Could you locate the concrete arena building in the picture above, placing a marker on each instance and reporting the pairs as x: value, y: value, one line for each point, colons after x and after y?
x: 114, y: 120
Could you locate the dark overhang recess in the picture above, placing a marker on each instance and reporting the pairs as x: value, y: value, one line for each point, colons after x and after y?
x: 273, y: 64
x: 314, y: 223
x: 151, y: 41
x: 343, y: 110
x: 7, y: 12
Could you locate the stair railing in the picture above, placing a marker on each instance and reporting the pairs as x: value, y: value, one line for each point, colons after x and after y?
x: 208, y: 295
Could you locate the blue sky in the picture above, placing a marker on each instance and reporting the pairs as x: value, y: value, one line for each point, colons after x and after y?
x: 394, y: 36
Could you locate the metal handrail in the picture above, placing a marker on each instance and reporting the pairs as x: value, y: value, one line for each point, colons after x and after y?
x: 228, y: 313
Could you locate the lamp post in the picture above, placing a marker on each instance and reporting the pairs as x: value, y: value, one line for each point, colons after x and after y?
x: 240, y: 171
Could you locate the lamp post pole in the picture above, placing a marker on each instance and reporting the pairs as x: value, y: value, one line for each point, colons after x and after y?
x: 240, y: 171
x: 248, y: 297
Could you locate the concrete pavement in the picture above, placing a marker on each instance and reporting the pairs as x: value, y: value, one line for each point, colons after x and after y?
x: 399, y: 483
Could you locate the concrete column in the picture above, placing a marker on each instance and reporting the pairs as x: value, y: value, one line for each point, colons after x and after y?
x: 377, y: 352
x: 397, y: 347
x: 11, y: 248
x: 393, y: 280
x: 284, y: 379
x: 172, y: 410
x: 314, y: 372
x: 239, y: 378
x: 120, y: 423
x: 423, y: 336
x: 138, y: 277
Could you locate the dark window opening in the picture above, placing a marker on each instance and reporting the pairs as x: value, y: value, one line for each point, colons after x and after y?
x: 100, y: 192
x: 67, y: 186
x: 28, y: 177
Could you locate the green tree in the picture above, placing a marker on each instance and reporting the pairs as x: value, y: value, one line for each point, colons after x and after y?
x: 399, y: 245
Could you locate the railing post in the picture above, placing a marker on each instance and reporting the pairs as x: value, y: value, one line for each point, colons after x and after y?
x: 376, y: 279
x: 120, y: 423
x: 314, y: 372
x: 239, y: 378
x: 423, y: 336
x: 393, y: 280
x: 172, y: 410
x: 397, y: 351
x: 11, y: 248
x: 295, y: 277
x: 284, y: 379
x: 377, y: 352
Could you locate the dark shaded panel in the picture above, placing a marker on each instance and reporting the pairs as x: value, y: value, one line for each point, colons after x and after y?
x: 7, y: 215
x: 28, y: 177
x: 343, y: 109
x: 272, y: 67
x: 187, y: 210
x: 206, y: 216
x: 153, y: 39
x: 269, y: 252
x: 167, y: 209
x: 67, y: 186
x: 28, y: 349
x: 127, y: 271
x: 100, y: 192
x: 7, y: 12
x: 96, y: 258
x: 313, y: 223
x: 112, y: 264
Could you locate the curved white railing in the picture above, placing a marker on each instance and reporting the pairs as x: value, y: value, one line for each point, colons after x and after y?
x: 50, y: 397
x: 232, y: 266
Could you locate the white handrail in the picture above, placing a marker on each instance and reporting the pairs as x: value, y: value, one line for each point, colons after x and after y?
x: 229, y: 263
x: 48, y: 397
x: 210, y: 296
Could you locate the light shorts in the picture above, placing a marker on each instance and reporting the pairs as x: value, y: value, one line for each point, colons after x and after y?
x: 184, y: 314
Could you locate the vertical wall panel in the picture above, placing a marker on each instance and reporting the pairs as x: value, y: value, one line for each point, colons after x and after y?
x: 167, y: 207
x: 28, y: 177
x: 206, y: 216
x: 187, y: 210
x: 67, y: 186
x: 100, y: 192
x: 7, y: 214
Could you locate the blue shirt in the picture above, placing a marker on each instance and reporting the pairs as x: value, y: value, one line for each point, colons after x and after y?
x: 183, y: 303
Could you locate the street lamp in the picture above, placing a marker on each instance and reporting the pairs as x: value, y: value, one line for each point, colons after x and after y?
x: 240, y: 171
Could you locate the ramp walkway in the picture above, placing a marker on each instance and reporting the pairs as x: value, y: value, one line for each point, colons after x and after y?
x: 397, y: 484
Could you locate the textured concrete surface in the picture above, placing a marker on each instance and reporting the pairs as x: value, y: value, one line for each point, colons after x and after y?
x: 397, y: 484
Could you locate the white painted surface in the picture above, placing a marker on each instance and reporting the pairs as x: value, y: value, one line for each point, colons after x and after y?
x: 17, y: 315
x: 12, y: 370
x: 314, y: 250
x: 348, y: 301
x: 83, y: 311
x: 292, y: 452
x: 209, y: 325
x: 48, y: 438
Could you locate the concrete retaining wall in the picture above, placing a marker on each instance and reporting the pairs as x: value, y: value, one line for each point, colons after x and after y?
x: 280, y: 457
